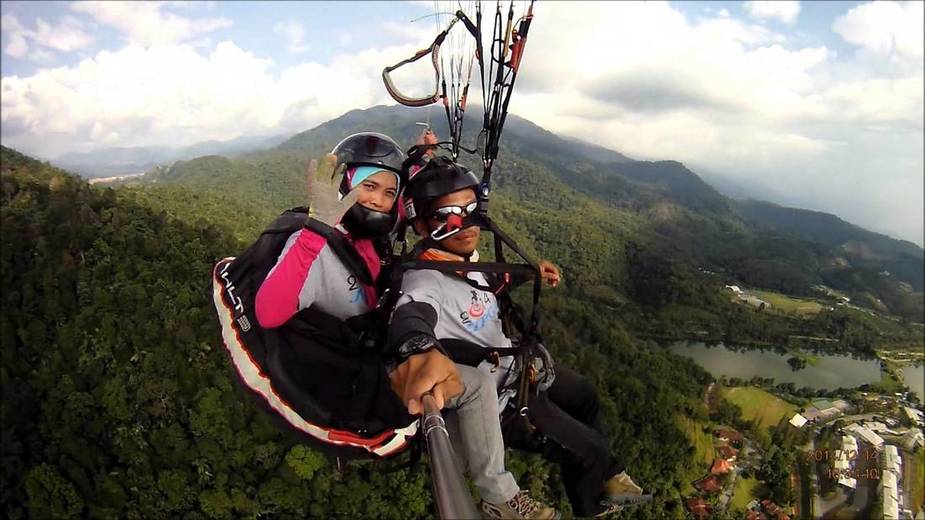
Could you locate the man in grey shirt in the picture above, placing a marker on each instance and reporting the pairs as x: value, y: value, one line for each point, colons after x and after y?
x: 459, y: 313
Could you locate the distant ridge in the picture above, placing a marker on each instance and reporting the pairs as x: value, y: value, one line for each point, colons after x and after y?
x: 107, y: 162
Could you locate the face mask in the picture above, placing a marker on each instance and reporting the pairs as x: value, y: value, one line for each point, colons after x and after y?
x: 362, y: 222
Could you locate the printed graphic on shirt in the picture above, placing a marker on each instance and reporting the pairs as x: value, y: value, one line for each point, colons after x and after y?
x: 482, y: 309
x: 356, y: 295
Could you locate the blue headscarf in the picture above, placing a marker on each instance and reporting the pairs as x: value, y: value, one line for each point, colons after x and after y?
x: 355, y: 176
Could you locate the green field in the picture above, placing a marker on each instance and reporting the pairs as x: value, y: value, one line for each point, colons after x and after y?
x: 743, y: 493
x: 758, y: 405
x: 703, y: 449
x: 789, y: 305
x: 915, y: 473
x: 702, y: 441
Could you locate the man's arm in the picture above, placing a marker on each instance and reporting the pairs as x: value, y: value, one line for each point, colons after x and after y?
x: 422, y: 364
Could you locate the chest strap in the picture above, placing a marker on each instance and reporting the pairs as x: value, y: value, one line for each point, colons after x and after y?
x: 343, y: 249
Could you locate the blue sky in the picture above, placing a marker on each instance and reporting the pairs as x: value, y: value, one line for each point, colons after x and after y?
x: 813, y: 104
x: 331, y: 27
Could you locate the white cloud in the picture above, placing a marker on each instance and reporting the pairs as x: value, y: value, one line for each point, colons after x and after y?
x: 165, y: 95
x: 17, y: 46
x: 294, y: 34
x: 67, y: 35
x: 733, y: 97
x: 783, y: 10
x: 148, y: 23
x: 886, y: 28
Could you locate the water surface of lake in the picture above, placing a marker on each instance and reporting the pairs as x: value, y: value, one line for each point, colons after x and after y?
x: 830, y: 372
x: 914, y: 377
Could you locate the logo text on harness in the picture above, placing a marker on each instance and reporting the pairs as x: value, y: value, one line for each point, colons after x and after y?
x: 229, y: 288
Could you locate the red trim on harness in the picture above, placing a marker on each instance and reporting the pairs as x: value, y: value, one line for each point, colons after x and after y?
x: 352, y: 438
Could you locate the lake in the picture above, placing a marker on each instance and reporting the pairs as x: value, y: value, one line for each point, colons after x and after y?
x: 914, y: 377
x: 830, y: 372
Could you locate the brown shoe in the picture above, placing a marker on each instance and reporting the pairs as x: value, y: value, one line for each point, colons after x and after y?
x: 520, y: 507
x: 621, y: 484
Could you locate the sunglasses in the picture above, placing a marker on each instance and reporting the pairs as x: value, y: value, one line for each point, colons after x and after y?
x: 443, y: 213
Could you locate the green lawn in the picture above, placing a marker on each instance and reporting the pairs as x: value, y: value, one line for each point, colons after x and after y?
x: 743, y: 493
x: 759, y: 405
x: 789, y: 305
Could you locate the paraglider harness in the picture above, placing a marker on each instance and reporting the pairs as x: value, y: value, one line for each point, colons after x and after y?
x: 324, y: 377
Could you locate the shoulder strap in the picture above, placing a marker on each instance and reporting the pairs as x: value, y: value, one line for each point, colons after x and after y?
x: 344, y: 251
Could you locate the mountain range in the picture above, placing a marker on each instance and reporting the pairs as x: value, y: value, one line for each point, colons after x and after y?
x: 661, y: 204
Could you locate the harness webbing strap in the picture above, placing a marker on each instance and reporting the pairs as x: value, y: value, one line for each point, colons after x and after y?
x: 528, y: 331
x: 344, y: 251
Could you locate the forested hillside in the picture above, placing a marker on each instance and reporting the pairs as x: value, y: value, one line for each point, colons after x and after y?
x: 118, y: 401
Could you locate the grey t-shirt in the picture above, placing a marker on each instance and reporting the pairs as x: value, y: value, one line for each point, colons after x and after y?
x: 463, y: 313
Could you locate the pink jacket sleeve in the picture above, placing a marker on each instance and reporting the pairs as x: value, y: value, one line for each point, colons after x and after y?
x: 278, y: 297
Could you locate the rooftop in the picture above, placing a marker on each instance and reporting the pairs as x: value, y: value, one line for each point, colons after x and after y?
x: 865, y: 434
x: 726, y: 452
x: 708, y: 484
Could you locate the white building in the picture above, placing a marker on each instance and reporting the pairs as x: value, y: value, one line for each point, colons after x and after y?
x: 844, y: 460
x: 892, y: 462
x: 914, y: 415
x: 890, y: 496
x: 913, y: 438
x: 798, y: 420
x: 848, y: 482
x: 868, y: 436
x: 879, y: 428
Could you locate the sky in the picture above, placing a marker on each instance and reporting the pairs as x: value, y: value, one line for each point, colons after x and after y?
x: 817, y: 105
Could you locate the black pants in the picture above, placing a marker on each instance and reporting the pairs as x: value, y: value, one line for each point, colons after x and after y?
x: 568, y: 433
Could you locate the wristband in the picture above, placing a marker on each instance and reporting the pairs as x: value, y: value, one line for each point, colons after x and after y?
x: 417, y: 344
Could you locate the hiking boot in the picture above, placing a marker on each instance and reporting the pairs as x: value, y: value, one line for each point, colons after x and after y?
x: 621, y: 484
x: 520, y: 507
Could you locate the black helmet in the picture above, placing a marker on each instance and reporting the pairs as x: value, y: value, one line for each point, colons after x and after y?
x: 440, y: 176
x: 367, y: 149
